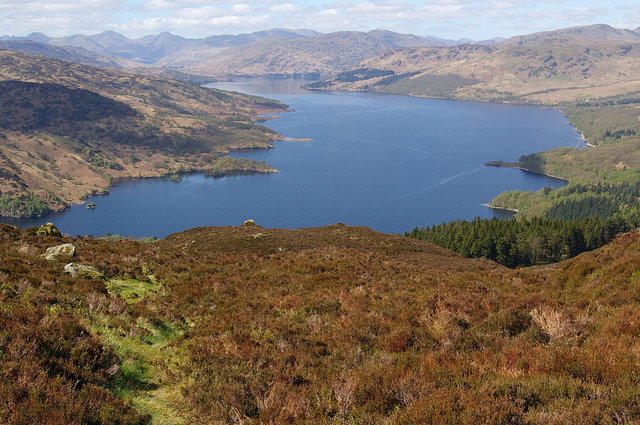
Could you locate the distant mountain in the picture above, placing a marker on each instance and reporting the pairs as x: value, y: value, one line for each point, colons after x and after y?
x: 69, y: 54
x: 595, y: 32
x: 489, y: 42
x: 34, y: 36
x: 325, y: 54
x: 271, y: 52
x: 169, y: 49
x: 108, y: 42
x: 240, y: 39
x: 39, y: 37
x: 300, y: 52
x: 564, y: 65
x: 398, y: 41
x: 152, y: 49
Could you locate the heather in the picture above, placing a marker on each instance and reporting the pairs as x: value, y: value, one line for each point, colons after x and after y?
x: 324, y: 325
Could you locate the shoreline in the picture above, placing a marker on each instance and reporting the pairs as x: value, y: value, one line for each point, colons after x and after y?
x: 275, y: 137
x: 115, y: 181
x: 515, y: 165
x: 295, y: 139
x: 493, y: 207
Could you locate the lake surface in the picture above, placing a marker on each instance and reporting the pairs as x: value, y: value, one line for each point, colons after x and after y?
x: 388, y: 162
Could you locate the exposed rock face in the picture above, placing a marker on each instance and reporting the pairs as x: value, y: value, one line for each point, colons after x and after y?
x: 48, y: 229
x: 60, y: 251
x: 81, y: 270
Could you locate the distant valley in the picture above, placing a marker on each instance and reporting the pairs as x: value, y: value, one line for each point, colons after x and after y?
x: 591, y: 73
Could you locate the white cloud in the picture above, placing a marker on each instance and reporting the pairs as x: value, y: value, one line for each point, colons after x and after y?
x: 59, y: 6
x: 241, y: 9
x: 154, y: 5
x: 198, y: 13
x: 284, y: 8
x: 370, y: 7
x: 330, y: 12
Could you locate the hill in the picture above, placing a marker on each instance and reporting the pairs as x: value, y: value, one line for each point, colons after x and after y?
x: 69, y: 54
x: 62, y: 141
x: 593, y: 32
x: 322, y: 325
x: 550, y: 70
x: 166, y: 49
x: 321, y: 55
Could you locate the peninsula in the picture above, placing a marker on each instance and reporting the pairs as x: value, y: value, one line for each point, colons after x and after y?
x: 70, y: 130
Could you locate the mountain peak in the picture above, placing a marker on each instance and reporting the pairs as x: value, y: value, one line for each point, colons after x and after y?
x: 39, y: 37
x: 109, y: 35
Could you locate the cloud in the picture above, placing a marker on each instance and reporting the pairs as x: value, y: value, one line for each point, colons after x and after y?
x: 198, y: 13
x: 241, y: 9
x: 284, y: 8
x: 154, y: 5
x: 57, y: 17
x: 200, y: 18
x: 59, y: 6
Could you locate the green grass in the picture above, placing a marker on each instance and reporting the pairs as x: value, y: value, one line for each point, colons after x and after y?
x: 144, y: 349
x: 133, y: 290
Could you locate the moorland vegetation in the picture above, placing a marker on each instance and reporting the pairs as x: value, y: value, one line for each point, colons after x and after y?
x: 312, y: 326
x: 333, y: 325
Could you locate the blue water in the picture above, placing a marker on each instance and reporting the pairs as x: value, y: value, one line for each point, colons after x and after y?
x: 387, y: 162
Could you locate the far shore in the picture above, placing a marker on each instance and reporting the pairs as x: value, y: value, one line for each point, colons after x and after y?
x: 294, y: 139
x: 493, y: 207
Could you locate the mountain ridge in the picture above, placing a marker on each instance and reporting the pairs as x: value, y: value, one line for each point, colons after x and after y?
x: 547, y: 70
x: 175, y: 52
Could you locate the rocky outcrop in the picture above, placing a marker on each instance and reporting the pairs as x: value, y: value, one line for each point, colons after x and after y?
x: 57, y: 252
x: 81, y: 270
x: 48, y: 229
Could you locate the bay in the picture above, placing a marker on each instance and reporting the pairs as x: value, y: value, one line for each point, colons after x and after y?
x: 388, y: 162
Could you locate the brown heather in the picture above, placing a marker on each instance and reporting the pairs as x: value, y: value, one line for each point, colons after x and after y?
x: 333, y: 325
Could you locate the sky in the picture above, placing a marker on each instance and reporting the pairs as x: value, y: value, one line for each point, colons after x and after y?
x: 452, y: 19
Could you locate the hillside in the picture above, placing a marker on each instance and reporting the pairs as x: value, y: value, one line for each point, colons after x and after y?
x: 593, y: 32
x: 321, y: 55
x: 67, y: 130
x: 312, y: 326
x: 553, y: 70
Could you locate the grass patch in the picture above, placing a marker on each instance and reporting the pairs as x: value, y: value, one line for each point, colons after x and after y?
x: 133, y: 290
x: 143, y: 346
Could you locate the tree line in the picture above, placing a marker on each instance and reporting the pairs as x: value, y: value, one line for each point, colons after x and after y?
x: 527, y: 241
